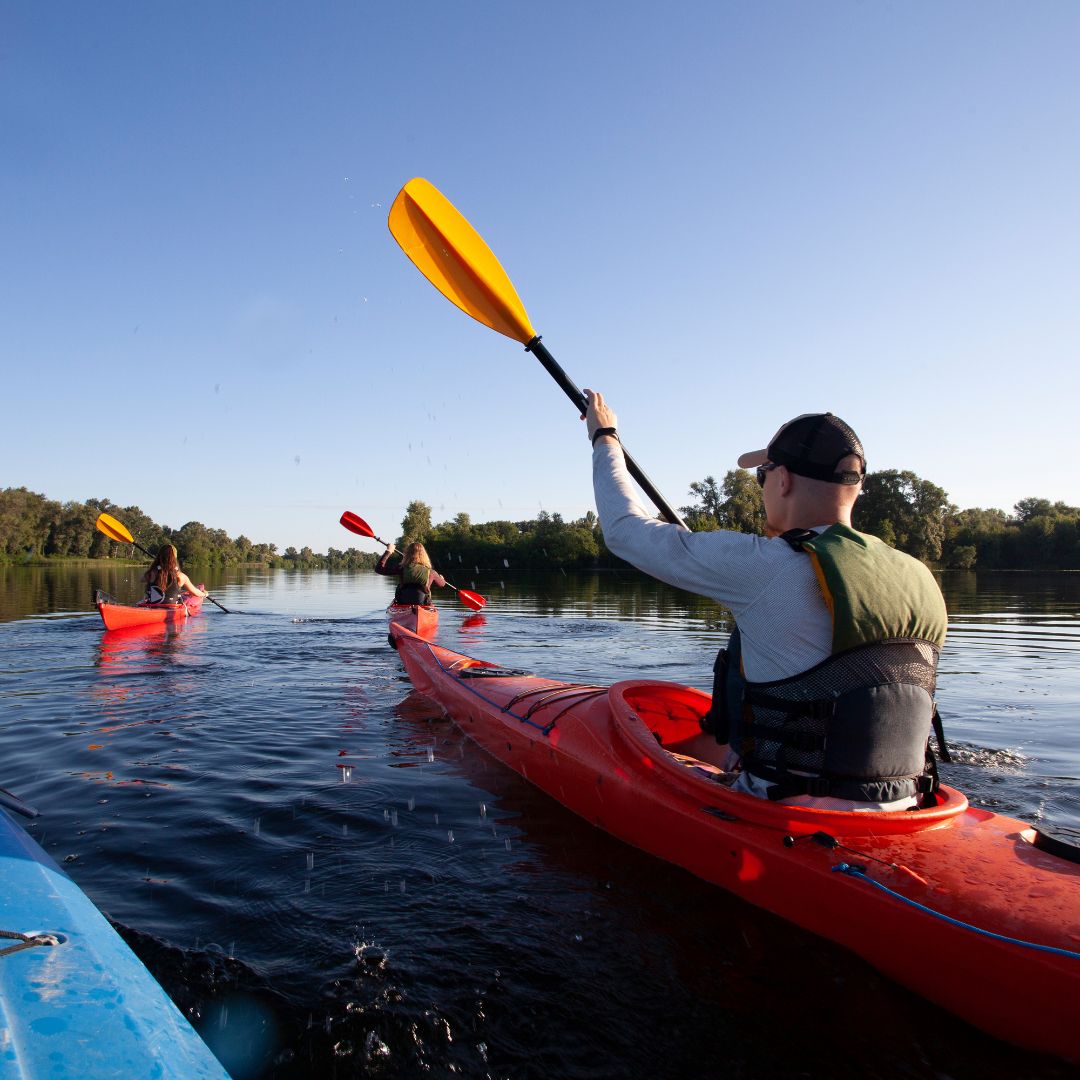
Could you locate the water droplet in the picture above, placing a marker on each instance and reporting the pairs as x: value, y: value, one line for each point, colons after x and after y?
x: 431, y: 754
x: 258, y: 826
x: 450, y: 835
x: 412, y: 804
x: 508, y: 843
x: 483, y: 810
x: 346, y: 774
x: 311, y: 860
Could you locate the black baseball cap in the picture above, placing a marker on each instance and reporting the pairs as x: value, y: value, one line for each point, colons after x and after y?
x: 812, y: 445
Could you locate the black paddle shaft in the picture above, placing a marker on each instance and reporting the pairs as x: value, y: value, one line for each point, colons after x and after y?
x: 537, y: 348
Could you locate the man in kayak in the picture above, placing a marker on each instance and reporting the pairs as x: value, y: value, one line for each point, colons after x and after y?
x: 825, y: 694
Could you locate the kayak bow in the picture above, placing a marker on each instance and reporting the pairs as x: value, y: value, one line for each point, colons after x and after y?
x: 959, y: 904
x: 75, y: 1001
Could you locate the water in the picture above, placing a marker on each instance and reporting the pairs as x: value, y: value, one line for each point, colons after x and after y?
x: 331, y: 883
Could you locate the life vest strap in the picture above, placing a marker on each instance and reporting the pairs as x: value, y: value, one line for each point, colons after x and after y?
x: 939, y: 734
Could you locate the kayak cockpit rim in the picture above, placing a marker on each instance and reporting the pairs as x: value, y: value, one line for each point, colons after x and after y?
x: 657, y: 717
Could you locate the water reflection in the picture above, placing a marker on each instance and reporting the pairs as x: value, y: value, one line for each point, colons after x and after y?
x: 122, y: 652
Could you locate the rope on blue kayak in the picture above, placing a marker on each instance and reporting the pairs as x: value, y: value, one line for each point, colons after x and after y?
x: 858, y: 872
x: 26, y: 941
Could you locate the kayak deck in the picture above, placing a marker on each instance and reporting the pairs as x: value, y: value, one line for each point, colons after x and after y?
x: 892, y: 887
x: 84, y: 1005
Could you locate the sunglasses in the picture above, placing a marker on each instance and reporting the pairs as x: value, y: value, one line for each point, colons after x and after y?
x: 763, y: 470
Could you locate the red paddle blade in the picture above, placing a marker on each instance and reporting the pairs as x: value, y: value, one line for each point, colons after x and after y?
x: 471, y: 599
x: 356, y: 524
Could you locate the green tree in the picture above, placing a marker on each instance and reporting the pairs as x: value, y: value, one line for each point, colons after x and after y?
x: 985, y: 532
x: 904, y: 510
x: 1027, y: 509
x: 416, y: 524
x: 743, y: 509
x: 962, y: 557
x: 25, y: 521
x: 736, y: 504
x: 705, y: 513
x: 72, y: 532
x: 193, y: 544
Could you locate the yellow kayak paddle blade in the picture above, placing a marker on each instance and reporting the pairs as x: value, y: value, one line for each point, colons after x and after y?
x: 114, y: 529
x: 452, y: 255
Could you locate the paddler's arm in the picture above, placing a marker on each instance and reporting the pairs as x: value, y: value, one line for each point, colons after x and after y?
x: 383, y: 567
x: 186, y: 584
x: 722, y: 565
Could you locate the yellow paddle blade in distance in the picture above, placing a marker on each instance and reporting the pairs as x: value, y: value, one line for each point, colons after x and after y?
x: 452, y: 255
x: 113, y: 529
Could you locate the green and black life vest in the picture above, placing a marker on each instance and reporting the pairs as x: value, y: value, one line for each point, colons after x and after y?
x: 857, y: 725
x: 415, y: 587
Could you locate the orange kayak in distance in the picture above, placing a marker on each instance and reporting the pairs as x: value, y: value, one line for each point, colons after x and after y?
x: 117, y: 616
x: 976, y: 911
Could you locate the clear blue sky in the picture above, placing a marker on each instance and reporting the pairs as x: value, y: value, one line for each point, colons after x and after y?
x: 720, y: 214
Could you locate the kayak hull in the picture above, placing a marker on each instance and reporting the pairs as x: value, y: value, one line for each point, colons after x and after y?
x: 86, y: 1006
x: 890, y: 887
x: 421, y: 619
x: 123, y: 616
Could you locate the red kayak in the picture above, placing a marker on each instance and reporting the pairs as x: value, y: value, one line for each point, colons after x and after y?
x: 118, y: 616
x: 976, y: 911
x: 422, y: 619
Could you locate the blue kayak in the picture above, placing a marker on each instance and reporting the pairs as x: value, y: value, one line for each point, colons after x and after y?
x: 75, y: 1001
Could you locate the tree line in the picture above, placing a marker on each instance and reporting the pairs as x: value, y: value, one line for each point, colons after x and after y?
x: 906, y: 511
x: 916, y: 516
x: 34, y: 527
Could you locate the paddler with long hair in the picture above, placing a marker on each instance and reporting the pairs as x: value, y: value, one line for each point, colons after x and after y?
x: 414, y: 572
x: 166, y: 582
x: 824, y: 696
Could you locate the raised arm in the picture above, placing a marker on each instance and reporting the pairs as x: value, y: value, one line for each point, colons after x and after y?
x: 383, y: 565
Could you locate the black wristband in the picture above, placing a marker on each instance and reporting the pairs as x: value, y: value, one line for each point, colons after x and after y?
x: 601, y: 431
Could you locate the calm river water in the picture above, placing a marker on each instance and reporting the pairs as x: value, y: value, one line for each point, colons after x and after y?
x: 332, y: 884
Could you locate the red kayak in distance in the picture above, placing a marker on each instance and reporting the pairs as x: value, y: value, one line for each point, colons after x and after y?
x: 976, y: 911
x: 421, y: 619
x: 117, y: 616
